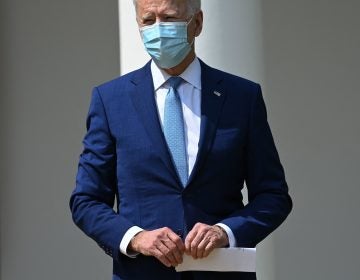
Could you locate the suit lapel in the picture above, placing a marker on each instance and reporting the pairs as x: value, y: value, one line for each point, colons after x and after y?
x: 213, y: 95
x: 144, y: 102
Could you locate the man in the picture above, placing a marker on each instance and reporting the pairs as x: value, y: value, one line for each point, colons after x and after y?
x: 174, y: 142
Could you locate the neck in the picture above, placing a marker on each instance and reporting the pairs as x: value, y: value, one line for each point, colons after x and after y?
x: 178, y: 69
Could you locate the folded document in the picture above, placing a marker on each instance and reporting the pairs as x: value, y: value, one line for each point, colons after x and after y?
x: 222, y: 259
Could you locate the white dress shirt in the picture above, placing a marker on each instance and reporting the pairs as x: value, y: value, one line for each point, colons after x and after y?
x: 190, y: 94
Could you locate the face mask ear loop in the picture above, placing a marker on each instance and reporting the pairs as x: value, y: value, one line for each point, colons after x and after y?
x: 193, y: 41
x: 187, y: 24
x: 192, y: 17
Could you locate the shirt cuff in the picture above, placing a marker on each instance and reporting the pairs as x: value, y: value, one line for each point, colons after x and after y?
x: 230, y: 234
x: 131, y: 232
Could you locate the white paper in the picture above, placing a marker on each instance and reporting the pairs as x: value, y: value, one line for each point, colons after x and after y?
x: 222, y: 259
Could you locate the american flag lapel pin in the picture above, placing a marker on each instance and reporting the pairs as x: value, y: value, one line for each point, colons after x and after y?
x: 217, y: 93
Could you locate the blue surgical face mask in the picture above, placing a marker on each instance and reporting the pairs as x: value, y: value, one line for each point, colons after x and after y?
x: 166, y: 42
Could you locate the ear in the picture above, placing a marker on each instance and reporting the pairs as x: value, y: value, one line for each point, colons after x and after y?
x: 198, y: 17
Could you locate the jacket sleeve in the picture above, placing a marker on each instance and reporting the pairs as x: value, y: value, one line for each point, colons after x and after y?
x: 92, y: 201
x: 269, y: 201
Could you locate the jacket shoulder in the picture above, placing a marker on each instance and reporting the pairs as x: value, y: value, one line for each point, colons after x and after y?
x: 120, y: 84
x: 231, y: 81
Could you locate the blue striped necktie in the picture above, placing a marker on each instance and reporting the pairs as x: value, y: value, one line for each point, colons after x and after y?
x: 174, y: 129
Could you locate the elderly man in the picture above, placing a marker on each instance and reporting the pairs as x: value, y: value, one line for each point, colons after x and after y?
x: 174, y: 143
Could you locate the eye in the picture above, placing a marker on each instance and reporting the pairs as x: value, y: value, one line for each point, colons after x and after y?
x: 148, y: 22
x: 170, y: 18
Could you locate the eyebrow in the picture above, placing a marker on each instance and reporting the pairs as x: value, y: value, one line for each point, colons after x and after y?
x: 170, y: 13
x: 150, y: 15
x: 147, y: 16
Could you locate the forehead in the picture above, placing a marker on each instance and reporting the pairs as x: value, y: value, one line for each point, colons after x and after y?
x: 161, y: 7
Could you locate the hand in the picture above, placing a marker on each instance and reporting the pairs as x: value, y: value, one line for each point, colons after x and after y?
x: 202, y: 239
x: 163, y: 244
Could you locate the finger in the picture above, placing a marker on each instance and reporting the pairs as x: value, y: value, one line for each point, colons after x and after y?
x: 175, y: 253
x: 161, y: 257
x: 201, y: 247
x: 177, y: 240
x: 209, y: 248
x: 166, y: 252
x: 189, y: 238
x: 194, y: 246
x: 199, y: 237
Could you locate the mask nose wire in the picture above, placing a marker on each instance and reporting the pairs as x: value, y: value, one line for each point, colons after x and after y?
x: 159, y: 22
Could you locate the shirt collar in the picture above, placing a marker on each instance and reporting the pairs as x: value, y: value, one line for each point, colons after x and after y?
x: 192, y: 74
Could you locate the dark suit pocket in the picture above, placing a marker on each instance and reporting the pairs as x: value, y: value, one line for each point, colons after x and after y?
x: 226, y: 131
x: 228, y: 139
x: 227, y: 146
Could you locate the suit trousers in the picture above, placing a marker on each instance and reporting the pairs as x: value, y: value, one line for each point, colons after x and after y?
x: 186, y: 276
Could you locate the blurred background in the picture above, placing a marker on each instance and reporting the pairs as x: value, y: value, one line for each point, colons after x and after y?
x: 304, y: 53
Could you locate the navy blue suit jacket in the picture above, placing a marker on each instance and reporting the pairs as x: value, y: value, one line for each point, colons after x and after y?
x: 125, y: 157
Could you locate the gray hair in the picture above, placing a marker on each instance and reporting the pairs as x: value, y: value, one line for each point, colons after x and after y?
x: 193, y: 6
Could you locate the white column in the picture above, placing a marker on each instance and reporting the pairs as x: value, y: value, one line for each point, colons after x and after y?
x: 231, y: 41
x: 132, y: 52
x: 232, y: 37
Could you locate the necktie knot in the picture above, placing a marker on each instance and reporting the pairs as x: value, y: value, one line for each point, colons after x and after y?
x: 174, y: 81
